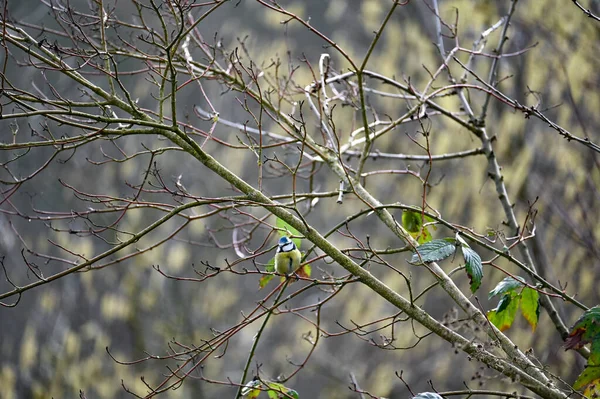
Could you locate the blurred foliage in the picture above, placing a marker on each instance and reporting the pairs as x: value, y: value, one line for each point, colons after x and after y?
x: 53, y: 344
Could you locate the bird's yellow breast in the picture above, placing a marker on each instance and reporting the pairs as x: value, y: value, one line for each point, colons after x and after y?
x: 287, y: 262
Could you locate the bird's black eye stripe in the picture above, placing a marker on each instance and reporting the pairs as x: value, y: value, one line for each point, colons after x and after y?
x: 288, y: 247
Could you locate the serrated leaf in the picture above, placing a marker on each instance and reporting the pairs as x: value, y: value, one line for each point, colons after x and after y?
x: 585, y: 329
x: 504, y: 319
x: 506, y: 285
x: 587, y: 376
x: 473, y: 267
x: 592, y: 390
x: 530, y: 306
x: 434, y: 251
x: 287, y: 230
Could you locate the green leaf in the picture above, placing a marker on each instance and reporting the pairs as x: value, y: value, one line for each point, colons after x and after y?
x: 434, y: 251
x: 504, y: 302
x: 288, y: 230
x: 277, y: 390
x: 473, y: 266
x: 587, y: 376
x: 594, y: 359
x: 412, y: 222
x: 585, y: 329
x: 276, y: 386
x: 264, y: 280
x: 270, y: 267
x: 504, y: 318
x: 530, y: 306
x: 507, y: 285
x: 423, y: 236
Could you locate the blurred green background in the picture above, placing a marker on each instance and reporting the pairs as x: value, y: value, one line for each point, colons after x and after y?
x: 53, y: 343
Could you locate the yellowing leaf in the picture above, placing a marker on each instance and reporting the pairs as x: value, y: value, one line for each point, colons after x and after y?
x: 264, y: 280
x: 412, y: 222
x: 530, y: 306
x: 304, y: 271
x: 588, y: 376
x: 592, y: 391
x: 504, y: 318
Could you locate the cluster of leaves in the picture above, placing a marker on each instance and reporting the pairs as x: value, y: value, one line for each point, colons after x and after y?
x: 587, y: 330
x: 514, y: 291
x: 274, y: 390
x: 285, y: 229
x: 515, y: 295
x: 437, y: 250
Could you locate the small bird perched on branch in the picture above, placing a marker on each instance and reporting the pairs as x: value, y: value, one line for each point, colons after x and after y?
x: 287, y: 258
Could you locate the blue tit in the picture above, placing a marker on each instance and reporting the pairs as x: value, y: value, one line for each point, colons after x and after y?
x: 287, y: 258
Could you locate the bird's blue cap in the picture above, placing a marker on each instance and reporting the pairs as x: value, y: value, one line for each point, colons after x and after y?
x: 283, y: 241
